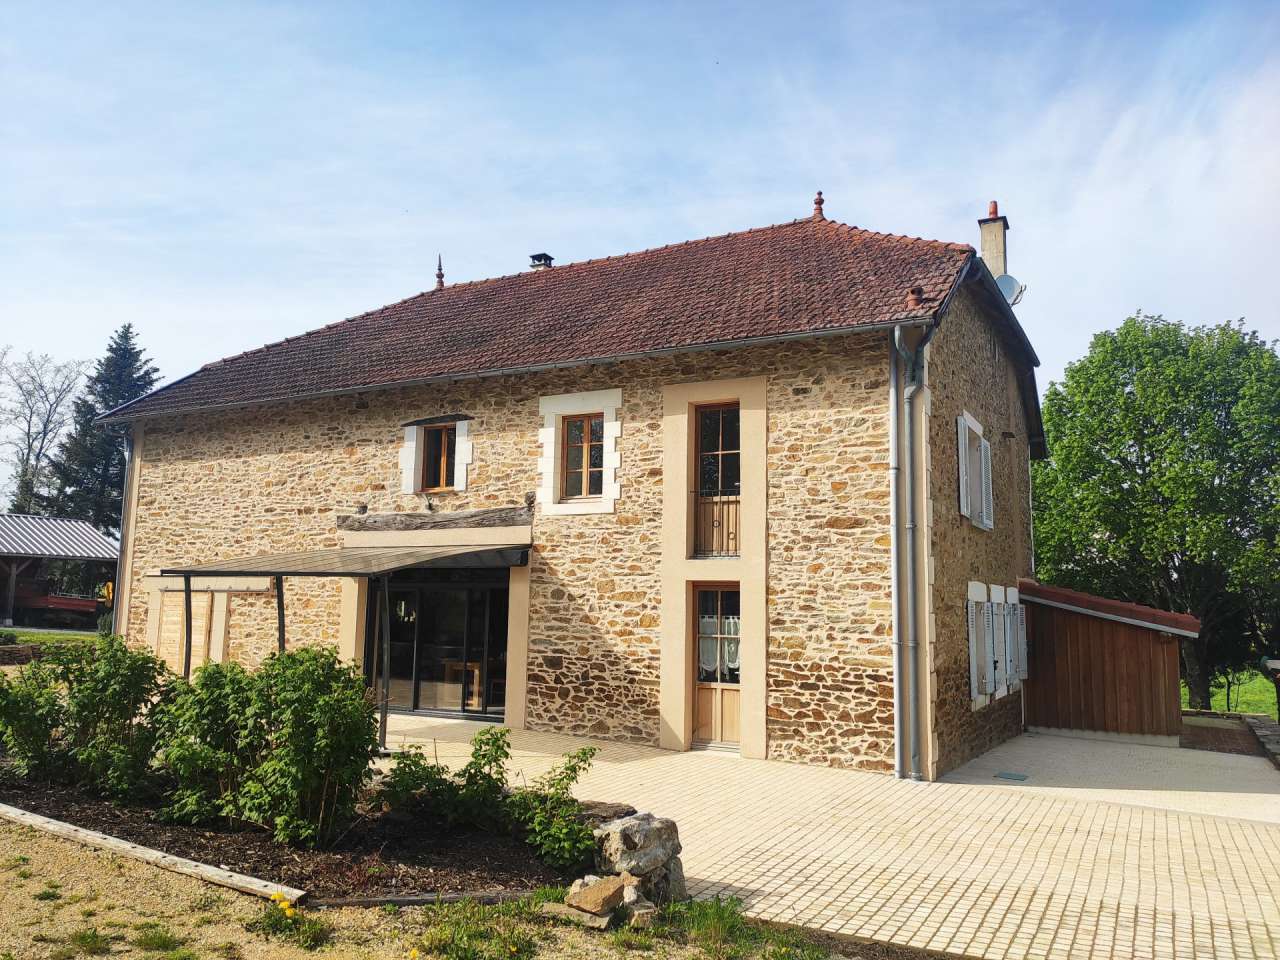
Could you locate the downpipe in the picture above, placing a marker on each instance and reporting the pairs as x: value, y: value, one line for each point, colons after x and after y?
x: 899, y: 651
x: 913, y: 360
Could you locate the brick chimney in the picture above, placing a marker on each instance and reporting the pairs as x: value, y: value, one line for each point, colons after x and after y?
x: 992, y: 229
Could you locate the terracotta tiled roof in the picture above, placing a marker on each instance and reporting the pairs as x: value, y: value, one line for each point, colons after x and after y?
x: 1090, y: 604
x: 801, y: 278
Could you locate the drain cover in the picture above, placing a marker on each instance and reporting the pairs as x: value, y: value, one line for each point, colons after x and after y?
x: 1006, y: 775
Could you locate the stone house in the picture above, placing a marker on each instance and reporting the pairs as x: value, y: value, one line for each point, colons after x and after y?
x: 765, y: 492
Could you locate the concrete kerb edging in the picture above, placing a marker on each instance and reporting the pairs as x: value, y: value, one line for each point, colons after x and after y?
x: 201, y: 871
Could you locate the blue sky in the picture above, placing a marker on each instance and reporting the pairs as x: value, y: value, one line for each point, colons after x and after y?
x: 225, y: 175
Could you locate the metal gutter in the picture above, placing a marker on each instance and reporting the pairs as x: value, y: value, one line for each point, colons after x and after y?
x: 1146, y: 624
x: 120, y: 413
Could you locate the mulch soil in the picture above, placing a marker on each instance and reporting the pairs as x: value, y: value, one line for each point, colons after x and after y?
x: 383, y: 855
x: 1221, y: 739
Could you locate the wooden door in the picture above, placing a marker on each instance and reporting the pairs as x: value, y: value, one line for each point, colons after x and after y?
x: 717, y: 669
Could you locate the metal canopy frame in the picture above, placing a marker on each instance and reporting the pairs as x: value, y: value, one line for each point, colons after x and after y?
x: 371, y: 562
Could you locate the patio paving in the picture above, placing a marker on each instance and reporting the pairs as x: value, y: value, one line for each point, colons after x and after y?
x: 973, y: 868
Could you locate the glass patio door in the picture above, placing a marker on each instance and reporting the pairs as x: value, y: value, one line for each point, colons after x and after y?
x: 448, y: 648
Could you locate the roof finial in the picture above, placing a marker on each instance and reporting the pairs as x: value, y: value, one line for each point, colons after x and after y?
x: 817, y: 207
x: 439, y: 272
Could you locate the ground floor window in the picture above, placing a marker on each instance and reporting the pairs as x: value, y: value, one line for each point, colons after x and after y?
x: 448, y: 650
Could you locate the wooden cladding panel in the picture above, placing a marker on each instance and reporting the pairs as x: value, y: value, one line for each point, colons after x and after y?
x: 1088, y: 673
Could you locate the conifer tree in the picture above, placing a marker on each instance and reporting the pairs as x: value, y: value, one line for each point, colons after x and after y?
x: 88, y: 470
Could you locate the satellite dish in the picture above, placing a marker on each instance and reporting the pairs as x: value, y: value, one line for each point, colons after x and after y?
x: 1011, y: 288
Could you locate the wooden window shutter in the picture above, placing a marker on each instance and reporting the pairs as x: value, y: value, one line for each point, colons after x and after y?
x: 411, y: 460
x: 988, y: 648
x: 962, y: 459
x: 999, y: 665
x: 1011, y: 644
x: 988, y: 499
x: 1022, y: 642
x: 975, y: 650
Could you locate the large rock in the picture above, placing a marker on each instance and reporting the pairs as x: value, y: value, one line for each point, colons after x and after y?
x: 600, y: 897
x: 665, y: 884
x: 595, y: 812
x: 562, y: 911
x: 638, y: 844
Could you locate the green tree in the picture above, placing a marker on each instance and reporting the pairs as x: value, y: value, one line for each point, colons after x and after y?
x: 88, y: 470
x: 1163, y: 483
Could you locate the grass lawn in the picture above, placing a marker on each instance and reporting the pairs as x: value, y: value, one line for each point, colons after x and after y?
x: 1257, y: 694
x: 61, y: 901
x: 44, y: 637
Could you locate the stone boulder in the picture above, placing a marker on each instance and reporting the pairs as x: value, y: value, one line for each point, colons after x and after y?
x: 598, y: 895
x: 666, y: 884
x: 639, y: 844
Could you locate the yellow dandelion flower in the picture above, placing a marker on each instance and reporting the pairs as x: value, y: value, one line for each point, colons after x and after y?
x: 277, y: 896
x: 289, y: 911
x: 413, y: 954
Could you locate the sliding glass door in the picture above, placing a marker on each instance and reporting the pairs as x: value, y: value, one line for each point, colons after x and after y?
x: 448, y: 643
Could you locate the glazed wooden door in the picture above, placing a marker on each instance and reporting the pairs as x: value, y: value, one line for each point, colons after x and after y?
x: 718, y: 670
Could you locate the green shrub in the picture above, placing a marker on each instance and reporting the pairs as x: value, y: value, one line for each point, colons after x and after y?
x: 545, y: 814
x: 110, y: 724
x: 8, y: 638
x: 32, y: 715
x: 549, y: 816
x: 84, y: 712
x: 318, y: 738
x: 415, y: 781
x: 207, y: 744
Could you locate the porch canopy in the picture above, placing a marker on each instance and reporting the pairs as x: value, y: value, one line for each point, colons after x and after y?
x: 378, y: 562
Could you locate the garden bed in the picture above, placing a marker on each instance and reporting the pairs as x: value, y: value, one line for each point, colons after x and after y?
x: 385, y: 855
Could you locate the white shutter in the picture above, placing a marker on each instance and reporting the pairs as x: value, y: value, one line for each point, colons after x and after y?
x: 999, y: 665
x: 988, y: 648
x: 411, y: 460
x: 962, y: 457
x: 988, y: 500
x: 1012, y: 668
x: 1022, y: 643
x: 975, y: 650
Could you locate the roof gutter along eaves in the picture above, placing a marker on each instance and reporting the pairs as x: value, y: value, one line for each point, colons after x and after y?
x: 121, y: 415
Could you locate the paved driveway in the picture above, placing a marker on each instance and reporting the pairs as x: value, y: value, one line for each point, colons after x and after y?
x: 976, y: 868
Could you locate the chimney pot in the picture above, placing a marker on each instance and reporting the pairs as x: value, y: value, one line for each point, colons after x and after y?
x: 915, y: 298
x: 991, y: 232
x: 540, y: 261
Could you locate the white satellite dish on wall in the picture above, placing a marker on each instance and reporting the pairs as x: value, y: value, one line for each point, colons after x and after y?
x: 1011, y: 288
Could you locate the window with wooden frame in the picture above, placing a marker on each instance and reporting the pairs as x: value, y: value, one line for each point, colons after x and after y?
x: 719, y: 450
x: 719, y: 635
x: 438, y: 453
x: 973, y: 457
x: 582, y: 472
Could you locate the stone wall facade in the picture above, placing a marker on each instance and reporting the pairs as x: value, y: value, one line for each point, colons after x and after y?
x: 971, y: 369
x: 274, y: 479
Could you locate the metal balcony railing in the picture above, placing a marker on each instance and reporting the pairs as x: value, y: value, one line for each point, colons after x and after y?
x: 716, y: 519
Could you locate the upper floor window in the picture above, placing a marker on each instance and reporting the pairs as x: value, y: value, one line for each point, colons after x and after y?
x: 717, y: 498
x: 438, y: 458
x: 719, y: 450
x: 583, y: 471
x: 973, y: 457
x: 435, y: 454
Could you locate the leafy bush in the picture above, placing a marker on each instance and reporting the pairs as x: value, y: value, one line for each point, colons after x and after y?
x: 286, y: 748
x: 550, y: 817
x: 545, y: 814
x: 32, y: 714
x: 109, y: 724
x: 311, y: 722
x: 85, y: 712
x: 207, y: 745
x: 8, y: 638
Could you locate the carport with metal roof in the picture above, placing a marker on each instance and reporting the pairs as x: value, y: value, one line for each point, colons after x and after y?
x: 27, y: 540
